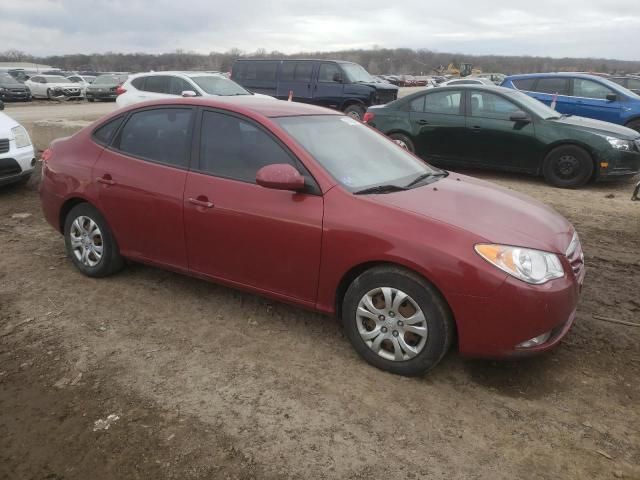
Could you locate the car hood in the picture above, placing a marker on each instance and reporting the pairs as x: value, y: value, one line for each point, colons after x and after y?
x: 599, y: 127
x: 379, y: 86
x: 494, y: 214
x: 63, y: 85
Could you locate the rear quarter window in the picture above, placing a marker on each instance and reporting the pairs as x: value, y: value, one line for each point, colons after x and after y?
x: 105, y: 133
x: 138, y: 83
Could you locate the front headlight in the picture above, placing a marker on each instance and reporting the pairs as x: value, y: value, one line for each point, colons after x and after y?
x: 21, y: 136
x: 620, y: 144
x: 528, y: 265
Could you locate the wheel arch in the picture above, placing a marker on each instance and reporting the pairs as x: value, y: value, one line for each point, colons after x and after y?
x: 355, y: 271
x: 352, y: 101
x: 631, y: 120
x: 66, y: 207
x: 569, y: 143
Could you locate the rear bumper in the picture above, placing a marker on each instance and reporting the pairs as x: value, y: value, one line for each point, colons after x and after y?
x: 101, y: 95
x: 494, y: 327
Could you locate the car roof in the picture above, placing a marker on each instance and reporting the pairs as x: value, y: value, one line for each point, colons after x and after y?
x: 557, y: 74
x: 186, y: 73
x: 265, y: 107
x: 293, y: 60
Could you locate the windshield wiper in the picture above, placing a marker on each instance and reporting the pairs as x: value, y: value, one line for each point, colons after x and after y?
x: 424, y: 176
x: 380, y: 189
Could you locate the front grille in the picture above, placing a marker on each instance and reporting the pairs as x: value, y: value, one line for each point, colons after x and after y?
x: 4, y: 145
x: 385, y: 96
x: 575, y: 255
x: 18, y: 90
x: 9, y: 167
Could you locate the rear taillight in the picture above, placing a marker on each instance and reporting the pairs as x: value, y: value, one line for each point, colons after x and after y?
x: 46, y: 155
x: 120, y: 90
x: 368, y: 117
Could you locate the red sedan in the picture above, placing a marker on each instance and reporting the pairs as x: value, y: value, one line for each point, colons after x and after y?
x: 308, y: 206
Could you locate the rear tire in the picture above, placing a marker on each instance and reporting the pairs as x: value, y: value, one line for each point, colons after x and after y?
x: 89, y: 242
x: 404, y: 141
x: 634, y: 125
x: 355, y: 111
x: 567, y: 166
x: 397, y: 321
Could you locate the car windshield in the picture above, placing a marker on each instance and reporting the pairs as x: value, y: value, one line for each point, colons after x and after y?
x: 7, y: 79
x: 355, y: 73
x: 354, y: 154
x: 537, y: 107
x: 615, y: 86
x: 109, y: 80
x: 215, y: 85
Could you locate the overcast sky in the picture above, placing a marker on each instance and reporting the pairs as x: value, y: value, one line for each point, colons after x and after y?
x: 557, y: 28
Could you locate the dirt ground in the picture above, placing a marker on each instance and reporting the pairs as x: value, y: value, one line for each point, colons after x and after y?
x: 208, y: 382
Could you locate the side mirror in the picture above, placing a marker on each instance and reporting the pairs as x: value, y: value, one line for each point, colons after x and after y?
x: 280, y: 176
x: 189, y: 94
x: 611, y: 97
x: 520, y: 116
x: 337, y: 77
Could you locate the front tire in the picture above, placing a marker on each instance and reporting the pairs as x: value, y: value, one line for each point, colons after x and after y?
x: 397, y: 321
x: 89, y: 242
x: 567, y: 166
x: 355, y: 111
x: 403, y: 141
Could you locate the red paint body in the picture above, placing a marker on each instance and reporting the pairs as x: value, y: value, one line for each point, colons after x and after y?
x: 299, y: 247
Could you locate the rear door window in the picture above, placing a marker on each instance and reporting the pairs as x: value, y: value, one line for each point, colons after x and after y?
x: 585, y: 88
x: 161, y: 135
x: 260, y: 70
x: 524, y: 83
x: 553, y: 85
x: 157, y: 84
x: 447, y: 103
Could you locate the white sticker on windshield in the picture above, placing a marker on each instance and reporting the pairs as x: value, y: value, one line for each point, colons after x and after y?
x: 349, y: 120
x: 347, y: 180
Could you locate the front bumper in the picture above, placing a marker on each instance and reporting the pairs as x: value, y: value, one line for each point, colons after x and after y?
x: 619, y: 164
x: 15, y: 95
x: 16, y: 164
x: 493, y: 327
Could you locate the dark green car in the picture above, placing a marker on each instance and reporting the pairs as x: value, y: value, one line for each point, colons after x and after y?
x: 502, y: 129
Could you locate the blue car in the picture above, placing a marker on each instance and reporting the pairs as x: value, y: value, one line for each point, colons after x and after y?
x: 581, y: 95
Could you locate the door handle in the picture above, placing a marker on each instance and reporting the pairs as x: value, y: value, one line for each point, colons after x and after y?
x: 201, y: 203
x: 106, y: 179
x: 423, y: 122
x: 476, y: 128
